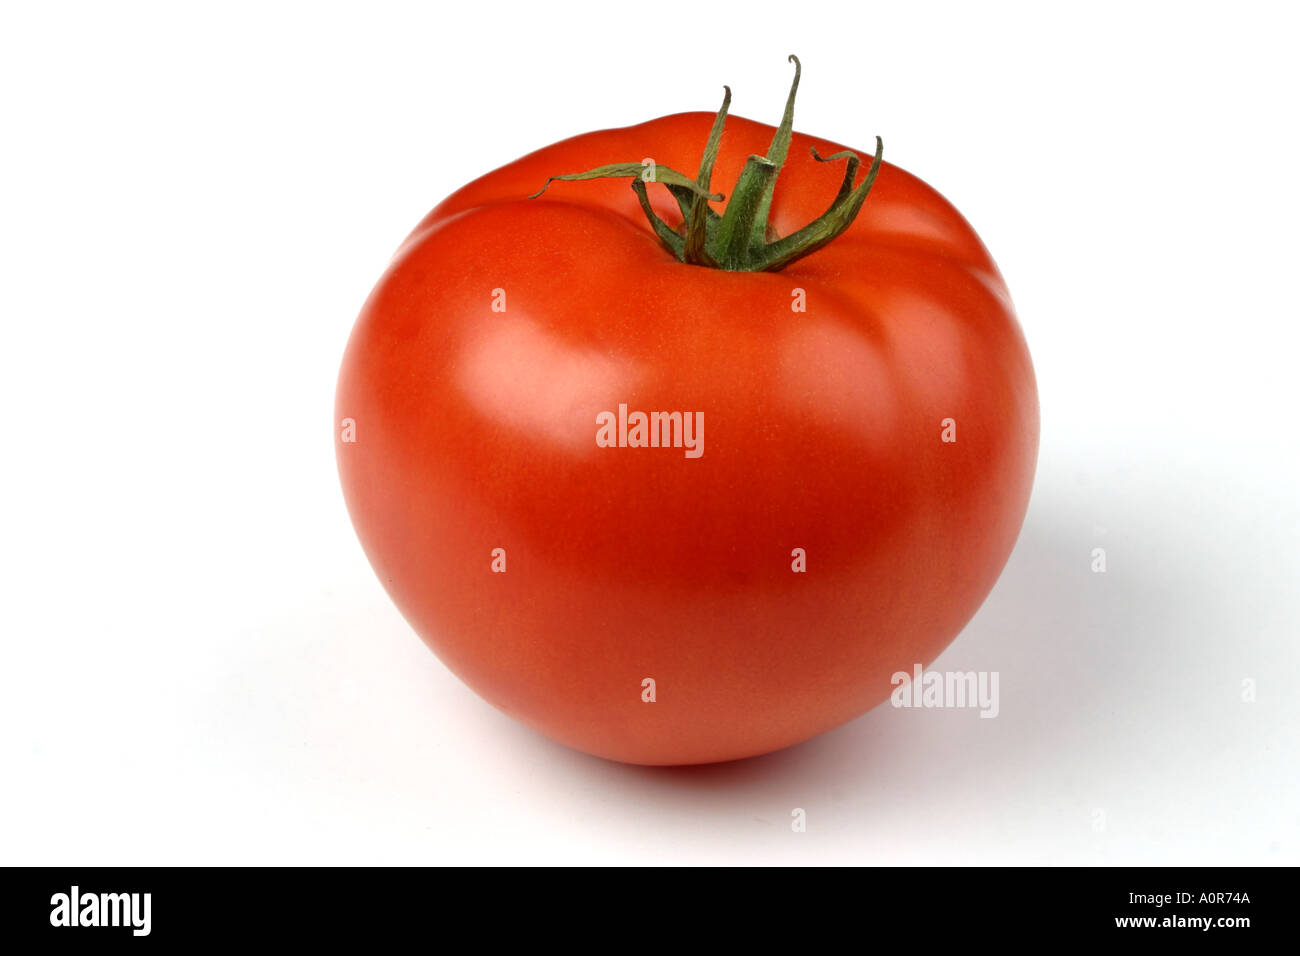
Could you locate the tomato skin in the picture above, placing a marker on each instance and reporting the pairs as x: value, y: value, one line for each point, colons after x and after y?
x: 476, y: 430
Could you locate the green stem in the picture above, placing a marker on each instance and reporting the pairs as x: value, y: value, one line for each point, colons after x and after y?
x: 779, y: 254
x: 776, y: 154
x: 738, y: 240
x: 733, y: 243
x: 698, y: 216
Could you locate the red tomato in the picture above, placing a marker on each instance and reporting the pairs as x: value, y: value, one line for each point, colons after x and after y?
x: 556, y: 575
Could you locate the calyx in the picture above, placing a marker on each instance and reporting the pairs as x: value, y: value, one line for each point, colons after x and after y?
x: 738, y: 239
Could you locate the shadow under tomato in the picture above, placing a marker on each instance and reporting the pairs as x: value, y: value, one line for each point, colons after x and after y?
x: 1061, y: 639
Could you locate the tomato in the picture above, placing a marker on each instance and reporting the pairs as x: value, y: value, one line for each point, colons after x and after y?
x: 857, y: 440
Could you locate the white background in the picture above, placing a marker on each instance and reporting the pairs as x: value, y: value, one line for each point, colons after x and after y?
x: 199, y: 665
